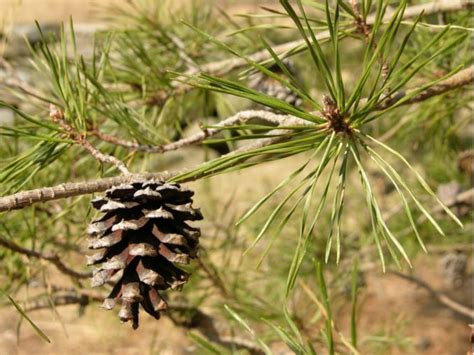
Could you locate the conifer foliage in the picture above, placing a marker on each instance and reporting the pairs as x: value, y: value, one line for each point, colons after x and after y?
x: 361, y: 107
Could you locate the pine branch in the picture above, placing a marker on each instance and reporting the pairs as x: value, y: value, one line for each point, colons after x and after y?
x: 52, y: 258
x: 239, y: 118
x: 460, y: 79
x: 27, y: 198
x: 228, y: 65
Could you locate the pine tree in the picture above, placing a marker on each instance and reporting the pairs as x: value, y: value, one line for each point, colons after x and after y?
x: 364, y: 105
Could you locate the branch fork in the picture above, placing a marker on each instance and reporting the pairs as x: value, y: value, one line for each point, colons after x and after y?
x: 336, y: 121
x: 57, y: 116
x: 360, y: 24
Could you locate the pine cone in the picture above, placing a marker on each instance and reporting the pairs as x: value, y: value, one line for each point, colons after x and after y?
x: 272, y: 87
x: 144, y: 234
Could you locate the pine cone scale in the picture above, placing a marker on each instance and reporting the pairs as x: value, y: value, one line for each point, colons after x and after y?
x: 100, y: 226
x: 170, y: 238
x: 106, y: 241
x: 143, y: 249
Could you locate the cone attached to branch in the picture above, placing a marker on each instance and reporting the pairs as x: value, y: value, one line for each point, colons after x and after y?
x: 143, y: 237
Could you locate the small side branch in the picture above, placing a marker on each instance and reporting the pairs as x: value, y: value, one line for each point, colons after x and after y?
x: 57, y: 116
x: 59, y: 300
x: 440, y: 297
x: 463, y: 78
x: 360, y: 23
x: 214, y: 278
x: 437, y: 7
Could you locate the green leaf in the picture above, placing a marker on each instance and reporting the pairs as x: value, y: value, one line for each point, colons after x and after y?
x: 244, y: 325
x: 327, y: 305
x: 207, y: 346
x: 313, y: 46
x: 420, y: 179
x: 354, y: 292
x: 24, y: 315
x: 304, y: 239
x: 380, y: 162
x: 338, y: 205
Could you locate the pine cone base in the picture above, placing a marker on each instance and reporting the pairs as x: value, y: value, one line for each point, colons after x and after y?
x: 142, y: 239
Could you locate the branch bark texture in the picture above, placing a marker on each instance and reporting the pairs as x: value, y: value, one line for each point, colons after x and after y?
x: 239, y: 118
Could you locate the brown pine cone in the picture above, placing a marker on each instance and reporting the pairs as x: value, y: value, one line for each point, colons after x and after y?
x: 143, y: 235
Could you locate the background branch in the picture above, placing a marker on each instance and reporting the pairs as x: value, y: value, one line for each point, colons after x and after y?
x: 464, y: 77
x: 60, y: 300
x: 52, y: 258
x: 440, y: 297
x: 197, y: 319
x: 228, y: 65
